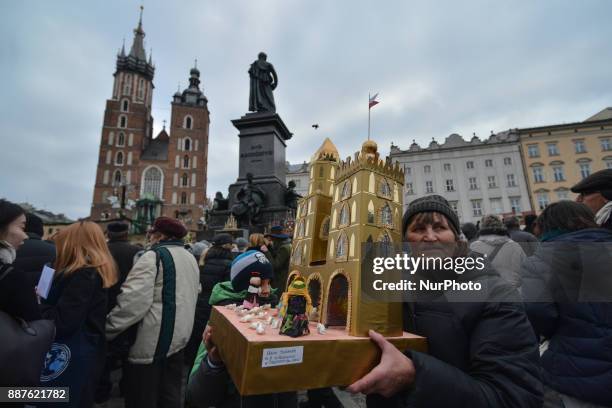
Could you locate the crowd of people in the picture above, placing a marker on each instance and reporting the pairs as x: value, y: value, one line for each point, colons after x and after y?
x: 535, y: 339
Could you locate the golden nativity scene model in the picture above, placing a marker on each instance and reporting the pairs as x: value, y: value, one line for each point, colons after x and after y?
x: 349, y: 203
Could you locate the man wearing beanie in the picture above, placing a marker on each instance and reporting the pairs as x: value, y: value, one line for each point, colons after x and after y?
x: 505, y: 255
x: 159, y: 296
x: 481, y: 353
x: 595, y: 192
x: 35, y: 253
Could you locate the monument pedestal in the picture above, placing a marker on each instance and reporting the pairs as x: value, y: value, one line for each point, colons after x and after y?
x: 263, y: 137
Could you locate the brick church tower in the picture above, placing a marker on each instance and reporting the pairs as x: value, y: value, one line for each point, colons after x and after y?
x: 140, y: 177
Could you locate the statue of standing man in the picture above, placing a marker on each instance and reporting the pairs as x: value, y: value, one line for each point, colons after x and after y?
x: 263, y: 82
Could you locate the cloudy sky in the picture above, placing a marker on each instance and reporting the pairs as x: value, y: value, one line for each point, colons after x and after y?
x: 440, y: 67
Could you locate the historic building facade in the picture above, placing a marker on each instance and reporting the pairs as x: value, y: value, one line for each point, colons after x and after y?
x: 558, y: 156
x: 299, y: 174
x: 477, y: 177
x: 139, y: 176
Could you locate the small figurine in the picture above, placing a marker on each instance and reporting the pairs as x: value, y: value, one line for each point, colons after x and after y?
x: 295, y: 310
x: 275, y: 324
x: 260, y: 329
x: 246, y: 318
x: 321, y: 328
x: 252, y: 297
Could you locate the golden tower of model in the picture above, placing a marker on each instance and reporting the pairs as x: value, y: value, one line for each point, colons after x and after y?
x: 348, y: 204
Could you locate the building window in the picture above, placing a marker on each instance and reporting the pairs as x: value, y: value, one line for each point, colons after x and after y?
x: 585, y: 170
x: 558, y: 173
x: 119, y: 159
x: 469, y: 165
x: 488, y: 163
x: 538, y: 174
x: 386, y: 216
x: 344, y: 215
x: 562, y: 195
x: 121, y: 139
x: 186, y: 162
x: 429, y: 187
x: 385, y: 188
x: 183, y: 198
x: 496, y: 206
x: 187, y: 144
x: 125, y: 105
x: 515, y: 204
x: 507, y: 161
x: 533, y: 150
x: 342, y: 246
x: 122, y: 121
x: 449, y: 185
x: 491, y: 181
x: 152, y: 182
x: 455, y: 206
x: 473, y: 183
x: 407, y: 170
x: 141, y: 89
x: 346, y: 190
x: 542, y: 200
x: 188, y: 122
x: 409, y: 189
x: 185, y: 180
x: 553, y: 150
x: 476, y: 208
x: 580, y: 146
x: 127, y: 84
x: 510, y: 179
x: 117, y: 178
x: 447, y: 167
x: 605, y: 144
x: 427, y: 169
x: 608, y: 163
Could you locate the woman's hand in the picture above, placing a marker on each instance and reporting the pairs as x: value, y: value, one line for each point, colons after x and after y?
x: 211, y: 348
x: 394, y: 373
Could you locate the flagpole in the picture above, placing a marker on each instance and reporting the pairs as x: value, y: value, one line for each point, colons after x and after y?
x: 369, y: 116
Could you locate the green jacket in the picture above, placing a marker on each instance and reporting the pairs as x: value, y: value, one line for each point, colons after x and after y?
x: 279, y: 256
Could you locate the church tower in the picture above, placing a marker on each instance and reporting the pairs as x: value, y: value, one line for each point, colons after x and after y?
x: 126, y: 131
x: 188, y: 153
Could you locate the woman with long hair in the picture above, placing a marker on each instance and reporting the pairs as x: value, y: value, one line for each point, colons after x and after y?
x: 77, y: 301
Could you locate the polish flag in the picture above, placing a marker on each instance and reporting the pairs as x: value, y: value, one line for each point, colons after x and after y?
x: 373, y: 101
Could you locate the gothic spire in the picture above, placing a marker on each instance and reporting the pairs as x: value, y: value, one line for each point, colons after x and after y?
x: 138, y: 50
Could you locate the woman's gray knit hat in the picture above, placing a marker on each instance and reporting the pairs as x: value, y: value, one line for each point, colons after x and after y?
x: 431, y: 203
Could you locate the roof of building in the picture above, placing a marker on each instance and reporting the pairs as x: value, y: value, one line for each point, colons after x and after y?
x: 46, y: 216
x: 455, y: 141
x: 157, y: 148
x: 327, y: 149
x: 601, y: 115
x: 297, y: 168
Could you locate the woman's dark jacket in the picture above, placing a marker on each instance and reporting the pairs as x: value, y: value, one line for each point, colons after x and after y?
x: 17, y: 295
x: 481, y: 353
x: 75, y: 301
x: 578, y: 361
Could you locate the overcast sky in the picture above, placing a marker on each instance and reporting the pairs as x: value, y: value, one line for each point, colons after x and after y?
x: 441, y: 67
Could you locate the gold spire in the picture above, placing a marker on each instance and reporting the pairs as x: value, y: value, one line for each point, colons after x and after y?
x: 326, y: 149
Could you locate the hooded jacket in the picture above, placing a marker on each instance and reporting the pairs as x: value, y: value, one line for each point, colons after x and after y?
x: 578, y: 361
x: 159, y: 295
x: 507, y: 262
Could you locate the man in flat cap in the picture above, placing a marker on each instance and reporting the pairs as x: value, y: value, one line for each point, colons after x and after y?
x: 595, y: 192
x: 159, y: 296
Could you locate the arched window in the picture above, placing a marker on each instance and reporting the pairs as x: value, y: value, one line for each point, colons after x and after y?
x: 385, y: 188
x: 119, y: 159
x: 152, y: 182
x: 127, y: 84
x: 141, y: 88
x: 297, y: 254
x: 187, y: 144
x: 117, y: 177
x: 186, y: 162
x: 386, y: 244
x: 121, y: 139
x: 122, y: 121
x: 342, y: 246
x: 183, y: 198
x: 324, y: 228
x: 125, y: 105
x: 346, y: 190
x: 185, y: 180
x: 344, y: 215
x: 386, y: 216
x: 188, y: 122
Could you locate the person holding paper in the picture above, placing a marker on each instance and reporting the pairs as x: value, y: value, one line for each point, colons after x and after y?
x: 77, y: 304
